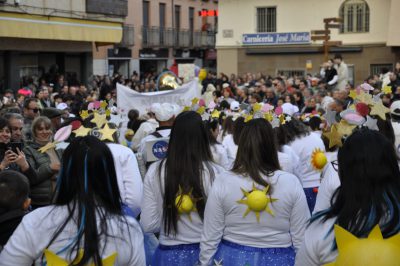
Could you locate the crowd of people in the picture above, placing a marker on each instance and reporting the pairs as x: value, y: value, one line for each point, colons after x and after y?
x: 259, y: 170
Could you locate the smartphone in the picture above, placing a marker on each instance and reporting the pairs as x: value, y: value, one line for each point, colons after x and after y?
x: 14, y: 145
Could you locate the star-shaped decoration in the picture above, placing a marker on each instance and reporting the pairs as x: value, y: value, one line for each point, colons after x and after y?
x: 371, y: 123
x: 186, y: 108
x: 195, y: 101
x: 107, y: 133
x: 54, y: 260
x: 217, y: 263
x: 334, y: 137
x: 84, y: 114
x: 247, y: 118
x: 268, y: 116
x: 81, y: 131
x: 380, y: 110
x: 108, y: 112
x: 215, y: 114
x: 103, y: 105
x: 353, y: 94
x: 257, y: 107
x: 364, y: 97
x: 387, y: 90
x: 99, y: 120
x: 48, y: 146
x: 330, y: 117
x: 344, y: 128
x: 201, y: 110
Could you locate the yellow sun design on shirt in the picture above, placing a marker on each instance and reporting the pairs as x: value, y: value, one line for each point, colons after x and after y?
x: 318, y: 159
x: 257, y: 201
x: 371, y: 251
x: 185, y: 203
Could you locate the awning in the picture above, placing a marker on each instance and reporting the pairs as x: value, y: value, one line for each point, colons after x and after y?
x: 55, y: 28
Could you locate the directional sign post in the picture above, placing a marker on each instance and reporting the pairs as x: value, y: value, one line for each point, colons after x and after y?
x: 324, y: 35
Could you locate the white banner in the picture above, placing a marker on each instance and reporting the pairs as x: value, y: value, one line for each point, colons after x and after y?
x: 128, y: 99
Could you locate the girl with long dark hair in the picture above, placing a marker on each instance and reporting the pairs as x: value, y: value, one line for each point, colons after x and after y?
x: 369, y: 194
x: 86, y: 224
x: 256, y: 214
x: 176, y: 190
x: 304, y: 143
x: 217, y: 149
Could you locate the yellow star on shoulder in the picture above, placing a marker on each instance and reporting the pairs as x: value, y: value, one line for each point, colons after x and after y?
x: 84, y: 114
x: 380, y: 110
x: 107, y: 133
x: 371, y: 251
x: 334, y: 137
x: 81, y: 131
x: 257, y: 201
x: 54, y: 260
x: 269, y: 117
x: 185, y: 203
x: 48, y: 146
x: 99, y: 120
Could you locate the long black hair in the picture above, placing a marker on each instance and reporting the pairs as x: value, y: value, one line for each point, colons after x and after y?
x: 87, y: 186
x: 370, y: 186
x: 188, y: 152
x: 238, y: 126
x: 211, y: 125
x: 257, y: 152
x: 291, y: 130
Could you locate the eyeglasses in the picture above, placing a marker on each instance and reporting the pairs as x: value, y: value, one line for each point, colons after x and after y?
x: 335, y: 165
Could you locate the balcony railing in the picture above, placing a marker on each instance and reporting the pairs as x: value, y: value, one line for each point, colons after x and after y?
x: 156, y: 37
x: 128, y: 36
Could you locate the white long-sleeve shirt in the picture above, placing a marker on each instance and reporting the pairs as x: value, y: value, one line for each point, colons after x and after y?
x: 144, y: 130
x: 304, y: 147
x: 316, y: 249
x: 294, y: 161
x: 151, y: 218
x: 37, y: 228
x: 220, y: 156
x: 330, y: 182
x: 231, y: 148
x: 129, y: 179
x: 223, y: 217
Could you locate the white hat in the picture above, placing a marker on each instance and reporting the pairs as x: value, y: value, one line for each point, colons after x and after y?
x: 62, y: 106
x: 225, y: 85
x: 235, y: 106
x: 395, y: 108
x: 165, y: 112
x: 289, y: 109
x: 154, y: 107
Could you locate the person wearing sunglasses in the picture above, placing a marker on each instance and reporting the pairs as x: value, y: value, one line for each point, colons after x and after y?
x: 30, y: 112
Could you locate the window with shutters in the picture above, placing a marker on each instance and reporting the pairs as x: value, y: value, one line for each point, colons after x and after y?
x: 355, y: 15
x: 266, y: 19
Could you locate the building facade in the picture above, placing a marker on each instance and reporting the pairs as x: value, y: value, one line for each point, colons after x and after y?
x: 161, y: 32
x: 48, y: 37
x: 274, y: 36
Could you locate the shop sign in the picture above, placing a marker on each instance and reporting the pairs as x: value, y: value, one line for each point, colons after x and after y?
x: 276, y: 38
